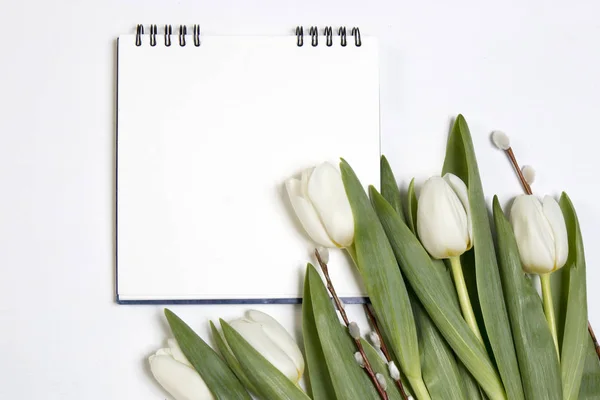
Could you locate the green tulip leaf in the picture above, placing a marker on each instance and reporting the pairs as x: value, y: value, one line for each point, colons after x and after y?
x: 461, y: 161
x: 538, y: 361
x: 348, y: 379
x: 427, y: 283
x: 590, y: 379
x: 383, y: 281
x: 269, y: 381
x: 472, y: 389
x: 575, y: 335
x: 439, y: 367
x: 389, y: 187
x: 228, y: 356
x: 221, y: 381
x: 411, y: 208
x: 321, y: 386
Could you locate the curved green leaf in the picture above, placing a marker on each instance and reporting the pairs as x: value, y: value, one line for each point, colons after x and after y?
x: 590, y: 379
x: 411, y: 208
x: 230, y: 358
x: 427, y: 283
x: 221, y: 381
x: 574, y: 337
x: 321, y: 386
x: 461, y: 161
x: 383, y: 280
x: 268, y: 380
x: 538, y: 361
x: 389, y: 187
x: 348, y: 379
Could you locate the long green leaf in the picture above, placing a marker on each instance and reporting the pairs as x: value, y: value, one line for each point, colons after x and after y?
x: 472, y: 389
x: 538, y: 361
x: 572, y: 354
x: 348, y: 379
x: 439, y: 367
x: 590, y: 380
x: 228, y: 356
x: 383, y: 280
x: 440, y: 371
x: 221, y: 381
x: 320, y: 382
x: 389, y: 187
x: 427, y: 283
x: 489, y: 287
x: 268, y: 380
x: 411, y: 207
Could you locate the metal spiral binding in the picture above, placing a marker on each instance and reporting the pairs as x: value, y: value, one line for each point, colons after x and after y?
x: 328, y: 33
x: 356, y: 34
x: 139, y: 34
x: 139, y: 31
x: 328, y: 36
x: 314, y: 36
x: 153, y: 32
x: 182, y: 33
x: 168, y: 33
x: 342, y: 33
x: 299, y: 36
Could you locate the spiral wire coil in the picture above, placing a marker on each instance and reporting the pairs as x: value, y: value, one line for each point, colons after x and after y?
x: 313, y: 31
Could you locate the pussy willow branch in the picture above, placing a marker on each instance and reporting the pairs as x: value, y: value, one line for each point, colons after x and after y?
x: 527, y: 188
x: 359, y: 345
x: 384, y: 348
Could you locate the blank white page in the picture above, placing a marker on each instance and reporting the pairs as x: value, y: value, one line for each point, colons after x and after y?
x: 206, y: 137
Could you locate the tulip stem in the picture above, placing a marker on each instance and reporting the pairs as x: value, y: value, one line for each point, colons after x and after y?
x: 463, y: 296
x: 549, y: 308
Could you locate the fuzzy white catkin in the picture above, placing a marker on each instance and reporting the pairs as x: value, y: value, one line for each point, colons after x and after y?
x: 528, y: 173
x: 381, y: 380
x: 324, y: 253
x: 501, y: 140
x: 375, y: 341
x: 394, y: 372
x: 354, y: 330
x: 359, y: 359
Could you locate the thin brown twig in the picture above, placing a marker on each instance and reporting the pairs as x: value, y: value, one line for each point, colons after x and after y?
x: 368, y: 368
x: 383, y: 347
x: 527, y: 188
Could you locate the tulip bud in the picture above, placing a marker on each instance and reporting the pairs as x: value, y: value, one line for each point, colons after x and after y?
x: 176, y: 375
x: 272, y: 341
x: 320, y: 202
x: 541, y: 233
x: 444, y: 217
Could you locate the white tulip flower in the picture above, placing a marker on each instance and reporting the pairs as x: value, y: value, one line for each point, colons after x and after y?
x: 445, y: 229
x: 176, y: 375
x: 272, y: 341
x: 320, y: 202
x: 444, y: 217
x: 540, y: 232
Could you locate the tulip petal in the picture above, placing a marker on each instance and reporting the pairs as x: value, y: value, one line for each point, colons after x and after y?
x: 181, y: 381
x: 177, y: 353
x: 306, y: 214
x: 255, y: 335
x: 442, y: 220
x: 279, y: 336
x: 533, y: 232
x: 328, y: 196
x: 556, y: 219
x: 461, y: 191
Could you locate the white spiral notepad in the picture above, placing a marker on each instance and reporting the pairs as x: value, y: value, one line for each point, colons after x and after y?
x: 209, y: 128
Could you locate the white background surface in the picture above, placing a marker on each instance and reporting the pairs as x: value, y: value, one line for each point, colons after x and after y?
x: 529, y: 68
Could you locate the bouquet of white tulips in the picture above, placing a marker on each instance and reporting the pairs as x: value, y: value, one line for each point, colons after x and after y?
x: 453, y: 307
